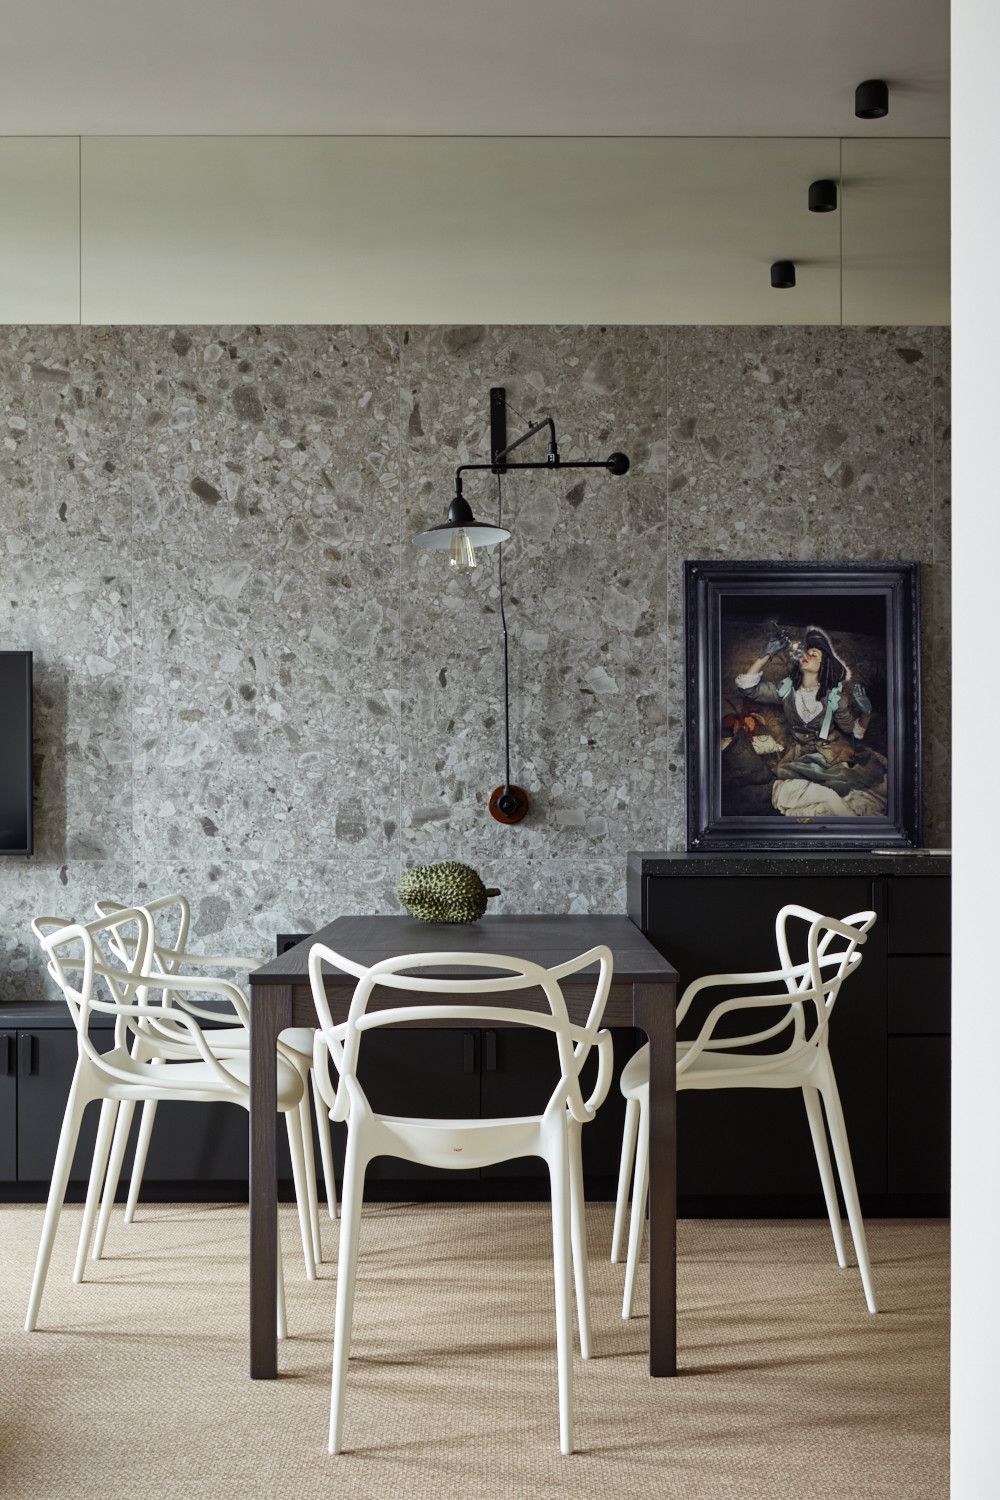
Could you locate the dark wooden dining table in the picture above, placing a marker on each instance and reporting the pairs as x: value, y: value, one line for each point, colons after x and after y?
x: 643, y: 994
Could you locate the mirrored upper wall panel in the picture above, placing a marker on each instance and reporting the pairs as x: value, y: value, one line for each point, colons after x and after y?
x: 896, y: 231
x: 39, y: 229
x: 509, y: 230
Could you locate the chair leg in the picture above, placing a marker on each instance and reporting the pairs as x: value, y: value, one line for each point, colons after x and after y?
x: 301, y: 1191
x: 325, y: 1148
x: 106, y: 1125
x: 560, y: 1173
x: 848, y: 1186
x: 624, y: 1176
x: 139, y: 1160
x: 817, y: 1130
x: 281, y: 1314
x: 120, y: 1140
x: 75, y: 1106
x: 578, y: 1224
x: 637, y: 1223
x: 347, y: 1265
x: 309, y: 1160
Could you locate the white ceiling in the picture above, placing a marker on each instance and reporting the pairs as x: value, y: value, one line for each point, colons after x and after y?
x: 467, y: 67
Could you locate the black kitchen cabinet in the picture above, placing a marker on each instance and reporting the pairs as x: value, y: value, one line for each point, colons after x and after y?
x: 739, y: 1151
x: 919, y: 1110
x: 8, y: 1106
x: 45, y: 1061
x: 191, y: 1144
x: 749, y: 1151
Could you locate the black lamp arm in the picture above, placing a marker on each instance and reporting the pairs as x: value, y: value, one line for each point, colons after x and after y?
x: 557, y: 463
x: 537, y: 427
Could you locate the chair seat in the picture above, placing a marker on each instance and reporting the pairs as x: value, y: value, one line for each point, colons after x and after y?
x: 458, y: 1143
x: 237, y: 1039
x: 193, y: 1080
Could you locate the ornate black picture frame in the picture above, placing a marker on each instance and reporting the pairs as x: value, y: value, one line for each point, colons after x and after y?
x: 803, y: 705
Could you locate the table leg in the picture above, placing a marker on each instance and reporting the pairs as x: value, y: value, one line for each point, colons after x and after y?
x: 270, y: 1013
x: 654, y: 1010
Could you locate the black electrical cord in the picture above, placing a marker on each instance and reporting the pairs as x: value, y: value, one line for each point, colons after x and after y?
x: 503, y: 622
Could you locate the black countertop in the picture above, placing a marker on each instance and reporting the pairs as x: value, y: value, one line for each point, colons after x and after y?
x: 668, y: 862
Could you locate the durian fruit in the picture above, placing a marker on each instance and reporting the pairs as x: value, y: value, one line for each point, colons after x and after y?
x: 448, y: 892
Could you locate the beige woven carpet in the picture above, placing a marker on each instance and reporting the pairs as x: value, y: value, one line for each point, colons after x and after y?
x: 135, y: 1383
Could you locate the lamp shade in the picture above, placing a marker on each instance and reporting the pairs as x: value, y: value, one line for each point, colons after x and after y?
x: 460, y: 518
x: 480, y: 534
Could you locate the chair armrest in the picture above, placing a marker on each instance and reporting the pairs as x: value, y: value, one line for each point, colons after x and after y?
x: 210, y: 961
x: 719, y: 981
x: 321, y: 1070
x: 605, y: 1068
x: 155, y: 1014
x: 177, y: 984
x: 704, y: 1040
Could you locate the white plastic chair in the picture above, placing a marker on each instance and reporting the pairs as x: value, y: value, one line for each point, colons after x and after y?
x: 229, y: 1035
x: 715, y: 1061
x: 553, y: 1135
x: 76, y: 962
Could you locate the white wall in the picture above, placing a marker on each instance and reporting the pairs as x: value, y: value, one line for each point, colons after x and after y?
x: 976, y: 730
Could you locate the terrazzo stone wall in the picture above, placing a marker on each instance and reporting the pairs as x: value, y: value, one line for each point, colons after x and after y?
x: 250, y: 686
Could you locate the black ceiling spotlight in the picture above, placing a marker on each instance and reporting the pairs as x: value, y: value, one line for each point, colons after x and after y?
x: 822, y: 196
x: 461, y: 534
x: 871, y: 99
x: 783, y: 274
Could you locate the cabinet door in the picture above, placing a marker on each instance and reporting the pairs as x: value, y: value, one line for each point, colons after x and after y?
x: 520, y: 1068
x: 191, y: 1142
x: 8, y: 1106
x: 919, y: 914
x: 919, y: 1114
x: 756, y: 1142
x: 919, y: 991
x: 46, y: 1060
x: 425, y: 1071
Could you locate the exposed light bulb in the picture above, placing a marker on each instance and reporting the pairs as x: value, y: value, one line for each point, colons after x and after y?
x: 462, y: 558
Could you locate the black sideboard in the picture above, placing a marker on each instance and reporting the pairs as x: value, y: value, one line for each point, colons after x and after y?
x: 749, y: 1151
x: 201, y: 1151
x: 743, y: 1153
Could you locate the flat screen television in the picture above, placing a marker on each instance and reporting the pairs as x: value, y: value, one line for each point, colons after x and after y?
x: 15, y: 752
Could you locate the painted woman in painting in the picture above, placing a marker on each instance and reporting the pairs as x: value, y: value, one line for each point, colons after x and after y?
x: 820, y: 763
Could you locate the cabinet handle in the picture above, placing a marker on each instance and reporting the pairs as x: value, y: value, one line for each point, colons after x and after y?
x: 468, y: 1052
x: 6, y: 1055
x: 25, y: 1053
x: 490, y: 1051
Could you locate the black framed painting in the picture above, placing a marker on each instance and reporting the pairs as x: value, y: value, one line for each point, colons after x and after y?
x: 803, y: 705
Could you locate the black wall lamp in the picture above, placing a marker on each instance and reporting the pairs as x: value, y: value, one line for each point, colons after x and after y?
x: 462, y: 533
x: 782, y: 274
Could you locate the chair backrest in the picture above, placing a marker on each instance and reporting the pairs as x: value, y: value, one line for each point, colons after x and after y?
x: 76, y: 961
x: 573, y: 1042
x: 85, y: 971
x: 165, y: 953
x: 811, y: 988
